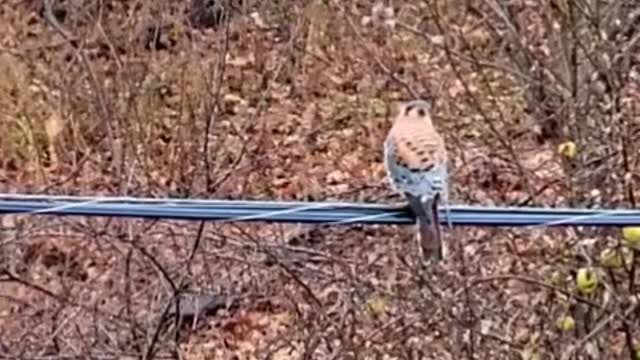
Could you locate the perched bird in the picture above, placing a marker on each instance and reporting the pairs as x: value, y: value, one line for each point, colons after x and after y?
x: 416, y: 161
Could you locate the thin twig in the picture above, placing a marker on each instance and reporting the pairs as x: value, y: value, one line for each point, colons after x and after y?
x: 596, y: 329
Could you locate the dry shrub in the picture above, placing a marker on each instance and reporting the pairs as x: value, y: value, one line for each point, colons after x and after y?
x: 290, y: 100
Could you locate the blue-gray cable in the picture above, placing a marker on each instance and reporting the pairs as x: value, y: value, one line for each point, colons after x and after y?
x: 305, y: 212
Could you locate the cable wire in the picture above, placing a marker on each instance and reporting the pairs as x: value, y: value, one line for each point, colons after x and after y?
x: 305, y: 212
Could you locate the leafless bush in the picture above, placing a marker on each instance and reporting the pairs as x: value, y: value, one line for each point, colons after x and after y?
x: 290, y: 100
x: 575, y: 66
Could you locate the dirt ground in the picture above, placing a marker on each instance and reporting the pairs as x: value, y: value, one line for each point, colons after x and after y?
x: 288, y: 100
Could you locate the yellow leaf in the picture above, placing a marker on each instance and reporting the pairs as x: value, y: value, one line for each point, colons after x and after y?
x: 586, y: 280
x: 566, y: 323
x: 631, y: 236
x: 611, y: 258
x: 377, y: 305
x: 567, y: 149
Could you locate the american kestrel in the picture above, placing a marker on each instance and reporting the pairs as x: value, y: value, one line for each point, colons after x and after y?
x: 416, y: 161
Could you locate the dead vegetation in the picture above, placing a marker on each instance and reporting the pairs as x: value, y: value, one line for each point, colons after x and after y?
x: 291, y: 100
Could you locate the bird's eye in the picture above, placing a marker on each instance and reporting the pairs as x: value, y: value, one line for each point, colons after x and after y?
x: 421, y: 112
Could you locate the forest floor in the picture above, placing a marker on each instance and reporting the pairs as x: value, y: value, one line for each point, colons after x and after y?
x: 280, y: 102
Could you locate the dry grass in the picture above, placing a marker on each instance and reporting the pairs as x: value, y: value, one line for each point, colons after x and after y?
x: 292, y: 101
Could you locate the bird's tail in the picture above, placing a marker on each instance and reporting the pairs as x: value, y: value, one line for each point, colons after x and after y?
x: 429, y: 237
x: 447, y: 207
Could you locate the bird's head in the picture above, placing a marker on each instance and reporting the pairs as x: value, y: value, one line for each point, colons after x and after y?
x: 419, y: 110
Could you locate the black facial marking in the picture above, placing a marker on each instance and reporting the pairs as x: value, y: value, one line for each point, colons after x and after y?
x: 428, y: 167
x: 408, y: 109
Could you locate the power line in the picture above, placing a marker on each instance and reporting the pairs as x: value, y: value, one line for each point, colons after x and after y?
x: 304, y: 212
